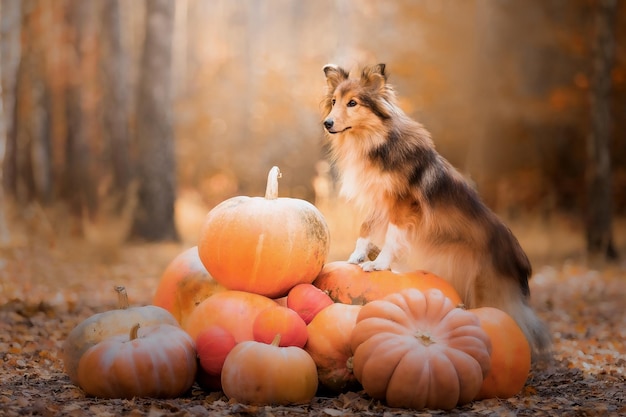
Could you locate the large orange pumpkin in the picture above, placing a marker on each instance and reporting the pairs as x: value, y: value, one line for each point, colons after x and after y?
x: 415, y: 349
x: 184, y: 283
x: 264, y: 245
x: 510, y: 356
x: 235, y: 311
x: 329, y: 346
x: 348, y: 283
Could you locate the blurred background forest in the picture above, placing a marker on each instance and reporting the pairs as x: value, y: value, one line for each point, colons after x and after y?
x: 133, y: 118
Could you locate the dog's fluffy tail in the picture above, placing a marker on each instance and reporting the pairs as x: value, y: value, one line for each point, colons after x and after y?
x: 535, y: 330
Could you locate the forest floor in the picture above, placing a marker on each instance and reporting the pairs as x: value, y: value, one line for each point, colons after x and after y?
x: 48, y: 286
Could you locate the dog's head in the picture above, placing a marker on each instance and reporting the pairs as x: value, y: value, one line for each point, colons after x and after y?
x: 356, y: 103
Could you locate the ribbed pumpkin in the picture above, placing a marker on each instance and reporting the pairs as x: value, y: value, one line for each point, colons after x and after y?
x: 156, y: 361
x: 415, y: 349
x: 347, y: 283
x: 510, y: 356
x: 100, y: 326
x: 264, y: 245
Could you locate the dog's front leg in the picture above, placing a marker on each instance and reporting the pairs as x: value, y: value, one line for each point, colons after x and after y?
x: 364, y: 245
x: 395, y: 239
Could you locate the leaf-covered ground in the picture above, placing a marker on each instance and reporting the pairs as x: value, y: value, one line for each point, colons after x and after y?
x: 47, y: 288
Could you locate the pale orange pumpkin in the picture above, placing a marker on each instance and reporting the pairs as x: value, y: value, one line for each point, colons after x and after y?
x: 510, y: 355
x: 156, y: 361
x: 103, y: 325
x: 184, y: 283
x: 267, y: 374
x: 235, y: 311
x: 348, y: 283
x: 280, y: 320
x: 264, y: 245
x: 307, y: 300
x: 329, y: 346
x: 415, y: 349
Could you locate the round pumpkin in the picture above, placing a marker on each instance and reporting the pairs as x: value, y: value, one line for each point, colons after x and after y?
x: 415, y: 349
x: 264, y: 245
x: 213, y: 345
x: 307, y: 300
x: 329, y: 346
x: 154, y: 361
x: 283, y: 321
x: 510, y: 355
x: 235, y: 311
x: 347, y: 283
x: 267, y: 374
x: 184, y: 283
x: 103, y: 325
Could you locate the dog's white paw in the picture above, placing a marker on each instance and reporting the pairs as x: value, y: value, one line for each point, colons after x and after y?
x: 370, y: 266
x: 357, y: 257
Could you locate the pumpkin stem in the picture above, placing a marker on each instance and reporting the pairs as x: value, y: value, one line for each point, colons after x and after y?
x: 133, y: 331
x: 276, y: 341
x: 122, y: 297
x: 350, y: 364
x: 271, y: 192
x: 424, y: 337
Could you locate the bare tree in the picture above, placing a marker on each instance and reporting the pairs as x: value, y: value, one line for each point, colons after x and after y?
x: 155, y: 139
x: 599, y: 200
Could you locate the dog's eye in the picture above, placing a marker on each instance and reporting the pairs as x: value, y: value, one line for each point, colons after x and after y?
x: 351, y: 103
x: 333, y: 101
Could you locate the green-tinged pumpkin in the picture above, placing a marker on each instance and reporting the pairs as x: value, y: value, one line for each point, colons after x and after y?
x: 104, y: 325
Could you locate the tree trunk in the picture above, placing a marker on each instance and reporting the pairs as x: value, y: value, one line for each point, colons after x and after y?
x: 155, y: 142
x: 115, y: 96
x: 599, y: 200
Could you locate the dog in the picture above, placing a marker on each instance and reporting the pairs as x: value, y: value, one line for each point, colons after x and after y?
x: 421, y: 211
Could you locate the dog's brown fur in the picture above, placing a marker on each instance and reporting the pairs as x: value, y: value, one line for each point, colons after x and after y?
x: 425, y: 213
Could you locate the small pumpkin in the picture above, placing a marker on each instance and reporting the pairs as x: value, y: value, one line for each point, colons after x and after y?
x: 347, y: 283
x: 235, y: 311
x: 267, y: 374
x: 213, y: 345
x: 329, y: 346
x: 415, y: 349
x: 510, y: 355
x: 154, y: 361
x: 264, y: 245
x: 103, y: 325
x: 307, y: 300
x: 280, y: 320
x: 184, y: 283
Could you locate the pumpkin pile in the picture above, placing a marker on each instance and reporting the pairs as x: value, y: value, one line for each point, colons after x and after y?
x: 254, y: 310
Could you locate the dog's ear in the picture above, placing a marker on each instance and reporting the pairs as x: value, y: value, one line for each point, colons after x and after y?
x: 374, y: 77
x: 334, y: 75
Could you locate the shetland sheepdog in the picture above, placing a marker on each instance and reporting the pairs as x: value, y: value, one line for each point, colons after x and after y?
x: 422, y: 213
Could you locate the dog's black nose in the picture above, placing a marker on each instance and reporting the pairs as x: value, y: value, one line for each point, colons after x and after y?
x: 328, y: 123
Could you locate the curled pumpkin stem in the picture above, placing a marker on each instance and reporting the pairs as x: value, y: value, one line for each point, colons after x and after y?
x: 122, y: 297
x: 271, y: 191
x: 276, y: 341
x: 133, y: 331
